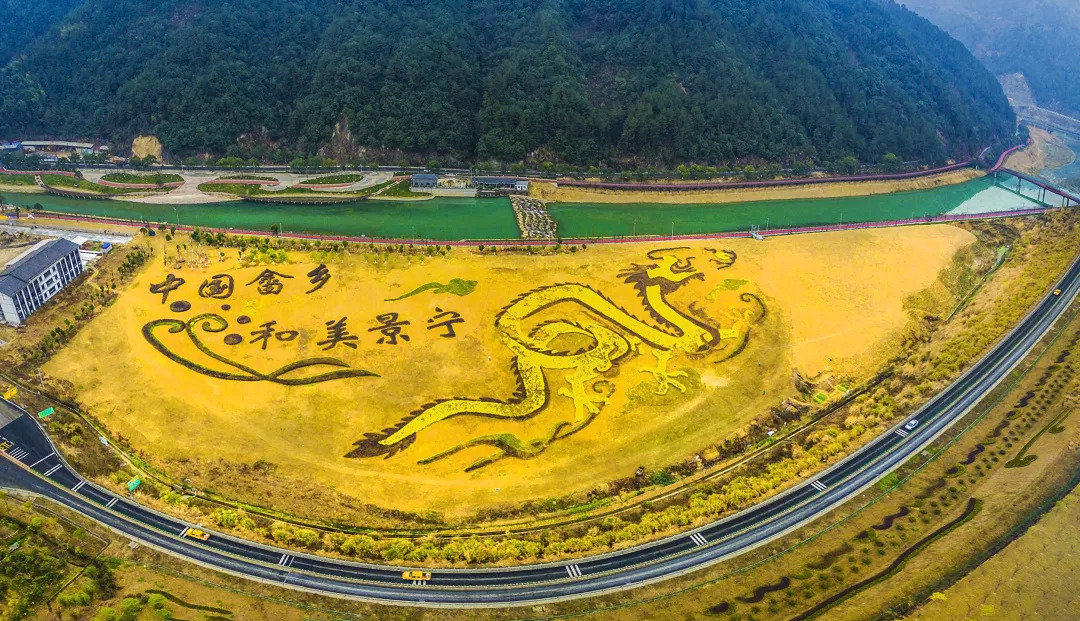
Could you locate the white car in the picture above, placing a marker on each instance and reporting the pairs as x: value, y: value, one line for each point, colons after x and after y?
x: 911, y: 424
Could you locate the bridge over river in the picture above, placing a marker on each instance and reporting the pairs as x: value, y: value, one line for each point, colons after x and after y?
x: 1034, y: 189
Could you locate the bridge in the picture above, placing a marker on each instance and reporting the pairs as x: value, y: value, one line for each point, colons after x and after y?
x: 1041, y: 191
x: 1049, y: 120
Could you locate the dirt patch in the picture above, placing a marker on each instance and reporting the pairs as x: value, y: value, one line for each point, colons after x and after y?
x: 145, y: 146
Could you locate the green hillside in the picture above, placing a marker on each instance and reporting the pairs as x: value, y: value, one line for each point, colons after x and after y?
x: 587, y: 82
x: 1039, y: 38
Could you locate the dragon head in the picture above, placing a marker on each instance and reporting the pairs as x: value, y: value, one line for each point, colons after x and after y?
x: 673, y: 267
x: 670, y: 269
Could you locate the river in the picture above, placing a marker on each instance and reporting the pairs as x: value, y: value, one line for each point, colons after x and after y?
x: 446, y: 219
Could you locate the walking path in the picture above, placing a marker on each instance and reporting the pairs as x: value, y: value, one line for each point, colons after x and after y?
x: 533, y: 219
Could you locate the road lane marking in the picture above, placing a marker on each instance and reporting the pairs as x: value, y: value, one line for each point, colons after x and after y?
x: 50, y: 471
x: 18, y: 453
x: 285, y: 561
x: 419, y: 582
x: 183, y: 533
x: 109, y: 505
x: 574, y: 571
x: 819, y: 486
x: 901, y: 433
x: 78, y: 486
x: 42, y: 459
x: 698, y: 539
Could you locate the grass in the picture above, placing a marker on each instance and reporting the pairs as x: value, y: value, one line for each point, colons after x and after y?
x: 242, y: 189
x: 17, y: 180
x: 250, y: 177
x: 157, y: 178
x: 82, y: 185
x: 400, y: 190
x: 336, y: 179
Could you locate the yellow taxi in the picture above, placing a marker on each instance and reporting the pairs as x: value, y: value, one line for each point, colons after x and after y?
x: 416, y: 574
x: 195, y: 533
x: 1057, y: 291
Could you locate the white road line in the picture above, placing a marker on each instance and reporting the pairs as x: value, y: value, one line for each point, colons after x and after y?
x: 183, y: 533
x: 291, y: 559
x: 18, y: 453
x: 819, y: 486
x: 901, y: 433
x: 284, y: 560
x: 574, y: 571
x: 110, y: 504
x: 78, y: 486
x: 699, y: 539
x: 42, y: 459
x: 49, y: 472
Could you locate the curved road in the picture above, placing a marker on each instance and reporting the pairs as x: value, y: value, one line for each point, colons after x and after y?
x: 42, y: 471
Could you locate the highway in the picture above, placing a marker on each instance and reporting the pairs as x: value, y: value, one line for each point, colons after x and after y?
x: 40, y: 470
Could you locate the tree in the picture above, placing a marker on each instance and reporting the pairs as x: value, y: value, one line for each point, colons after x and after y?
x: 849, y: 165
x: 298, y: 164
x: 890, y: 162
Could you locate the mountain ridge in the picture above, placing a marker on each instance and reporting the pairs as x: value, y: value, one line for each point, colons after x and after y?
x: 588, y: 82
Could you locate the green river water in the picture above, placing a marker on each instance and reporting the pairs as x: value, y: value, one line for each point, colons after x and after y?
x: 446, y: 219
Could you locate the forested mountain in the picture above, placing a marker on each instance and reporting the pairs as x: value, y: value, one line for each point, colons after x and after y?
x: 24, y: 20
x: 1039, y: 38
x: 580, y: 81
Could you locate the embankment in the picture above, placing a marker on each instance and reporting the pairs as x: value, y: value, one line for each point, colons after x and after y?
x: 570, y: 194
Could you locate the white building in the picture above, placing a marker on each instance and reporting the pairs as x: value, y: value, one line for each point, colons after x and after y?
x: 35, y: 276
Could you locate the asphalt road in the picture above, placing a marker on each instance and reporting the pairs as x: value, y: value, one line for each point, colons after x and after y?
x: 42, y: 471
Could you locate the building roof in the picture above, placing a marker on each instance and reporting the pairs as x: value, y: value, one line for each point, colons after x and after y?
x: 498, y: 180
x: 58, y: 143
x: 425, y: 177
x: 27, y: 266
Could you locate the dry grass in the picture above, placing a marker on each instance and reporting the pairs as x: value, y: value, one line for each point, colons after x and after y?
x: 1045, y: 151
x: 565, y: 194
x: 826, y: 300
x: 1030, y: 578
x: 1033, y: 578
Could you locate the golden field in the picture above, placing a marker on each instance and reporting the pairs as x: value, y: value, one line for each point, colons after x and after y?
x: 833, y: 303
x: 566, y: 194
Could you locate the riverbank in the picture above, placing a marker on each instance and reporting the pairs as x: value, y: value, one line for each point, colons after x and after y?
x: 564, y: 194
x: 1046, y: 151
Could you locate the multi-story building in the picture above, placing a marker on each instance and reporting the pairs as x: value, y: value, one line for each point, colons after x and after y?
x: 35, y: 276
